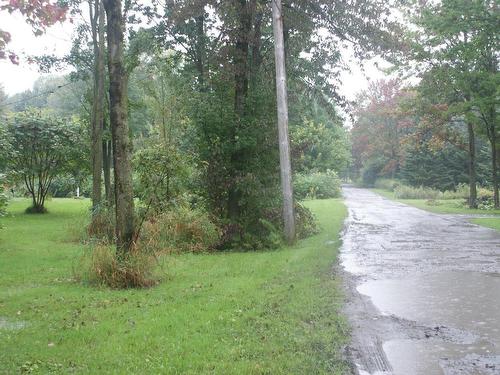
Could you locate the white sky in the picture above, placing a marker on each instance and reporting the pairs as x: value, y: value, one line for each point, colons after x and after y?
x: 18, y: 78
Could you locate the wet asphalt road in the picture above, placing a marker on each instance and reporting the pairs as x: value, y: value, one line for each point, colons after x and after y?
x: 423, y: 290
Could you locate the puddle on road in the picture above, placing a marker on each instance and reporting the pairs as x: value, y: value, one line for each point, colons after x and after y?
x: 435, y: 358
x: 466, y: 301
x: 11, y: 325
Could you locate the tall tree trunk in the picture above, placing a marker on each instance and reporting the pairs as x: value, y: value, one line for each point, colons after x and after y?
x: 494, y: 167
x: 284, y: 142
x: 472, y: 166
x: 96, y: 21
x: 106, y: 164
x: 107, y: 157
x: 256, y: 43
x: 492, y: 116
x: 240, y: 93
x: 124, y: 199
x: 101, y: 83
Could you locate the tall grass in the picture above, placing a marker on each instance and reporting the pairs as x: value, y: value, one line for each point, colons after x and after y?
x: 102, y: 266
x: 402, y: 191
x: 409, y: 192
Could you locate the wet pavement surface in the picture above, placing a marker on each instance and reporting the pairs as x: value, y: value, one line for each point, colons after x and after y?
x: 423, y: 290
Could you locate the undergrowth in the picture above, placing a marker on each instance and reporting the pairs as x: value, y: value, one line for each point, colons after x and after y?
x: 101, y: 265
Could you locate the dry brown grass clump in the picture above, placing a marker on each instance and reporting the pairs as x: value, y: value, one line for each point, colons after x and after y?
x: 179, y: 230
x: 102, y: 226
x: 102, y: 266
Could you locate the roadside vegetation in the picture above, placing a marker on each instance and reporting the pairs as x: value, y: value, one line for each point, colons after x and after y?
x: 245, y: 312
x: 446, y: 206
x: 448, y: 201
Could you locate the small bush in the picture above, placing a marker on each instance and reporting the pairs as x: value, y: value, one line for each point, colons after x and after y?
x: 484, y: 194
x: 180, y: 229
x: 485, y: 199
x: 317, y: 185
x: 36, y: 210
x: 305, y: 222
x: 271, y: 231
x: 386, y: 184
x: 408, y: 192
x: 101, y: 266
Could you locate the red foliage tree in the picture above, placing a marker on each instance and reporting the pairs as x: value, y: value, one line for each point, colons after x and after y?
x: 39, y: 14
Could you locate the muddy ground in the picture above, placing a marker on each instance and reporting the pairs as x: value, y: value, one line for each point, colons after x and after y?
x: 423, y: 290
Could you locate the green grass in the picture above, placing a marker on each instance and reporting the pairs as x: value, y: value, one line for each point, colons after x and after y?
x: 447, y: 206
x: 274, y: 312
x: 490, y: 222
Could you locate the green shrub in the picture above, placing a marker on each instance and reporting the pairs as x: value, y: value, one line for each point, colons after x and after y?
x: 101, y: 266
x: 484, y: 194
x: 36, y: 210
x: 386, y: 184
x: 485, y: 199
x: 317, y: 185
x: 268, y: 232
x: 486, y: 204
x: 306, y: 224
x: 273, y: 227
x: 180, y: 229
x: 460, y: 192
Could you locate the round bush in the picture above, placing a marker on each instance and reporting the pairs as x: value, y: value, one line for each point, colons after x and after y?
x: 317, y: 185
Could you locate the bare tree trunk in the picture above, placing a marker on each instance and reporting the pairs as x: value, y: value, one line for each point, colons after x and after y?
x: 124, y: 199
x: 472, y: 166
x: 106, y: 164
x: 256, y: 43
x: 97, y: 110
x: 492, y: 116
x: 494, y: 168
x: 107, y: 156
x: 101, y: 73
x: 240, y: 95
x: 284, y: 142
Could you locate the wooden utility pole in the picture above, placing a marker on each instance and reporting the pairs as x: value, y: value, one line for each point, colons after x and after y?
x: 284, y: 142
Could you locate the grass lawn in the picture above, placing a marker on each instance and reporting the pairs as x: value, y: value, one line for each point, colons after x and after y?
x: 273, y: 312
x: 448, y: 206
x: 491, y: 222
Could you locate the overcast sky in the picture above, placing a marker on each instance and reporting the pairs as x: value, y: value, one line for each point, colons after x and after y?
x: 18, y: 78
